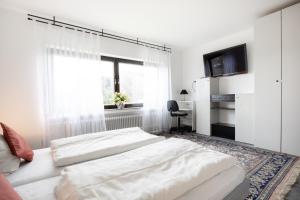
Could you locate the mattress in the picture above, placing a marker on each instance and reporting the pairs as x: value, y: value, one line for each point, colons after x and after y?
x: 216, y: 188
x: 41, y: 167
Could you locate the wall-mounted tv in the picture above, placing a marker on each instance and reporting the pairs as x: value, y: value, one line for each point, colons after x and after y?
x: 226, y: 62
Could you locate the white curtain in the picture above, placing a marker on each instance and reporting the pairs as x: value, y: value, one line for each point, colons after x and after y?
x: 157, y: 90
x: 69, y: 64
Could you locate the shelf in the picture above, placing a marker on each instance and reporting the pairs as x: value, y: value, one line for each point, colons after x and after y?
x: 224, y: 124
x: 222, y: 108
x: 223, y: 130
x: 215, y: 98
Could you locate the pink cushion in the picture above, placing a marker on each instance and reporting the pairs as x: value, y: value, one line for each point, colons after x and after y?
x: 17, y: 144
x: 7, y: 192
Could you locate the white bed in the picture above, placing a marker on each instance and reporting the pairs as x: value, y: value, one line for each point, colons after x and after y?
x: 216, y: 188
x: 41, y: 167
x: 39, y: 178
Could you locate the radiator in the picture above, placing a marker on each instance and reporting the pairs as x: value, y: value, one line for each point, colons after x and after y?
x: 117, y: 122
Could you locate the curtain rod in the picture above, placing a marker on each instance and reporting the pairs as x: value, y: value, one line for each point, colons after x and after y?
x: 101, y: 33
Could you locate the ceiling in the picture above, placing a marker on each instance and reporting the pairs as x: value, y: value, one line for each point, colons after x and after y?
x: 179, y: 23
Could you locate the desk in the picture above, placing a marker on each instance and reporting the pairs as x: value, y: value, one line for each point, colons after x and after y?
x: 188, y: 107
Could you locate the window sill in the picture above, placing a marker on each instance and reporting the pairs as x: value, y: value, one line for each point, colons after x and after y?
x: 130, y: 105
x: 124, y: 111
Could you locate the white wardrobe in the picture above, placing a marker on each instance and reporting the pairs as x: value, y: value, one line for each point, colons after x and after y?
x: 277, y: 81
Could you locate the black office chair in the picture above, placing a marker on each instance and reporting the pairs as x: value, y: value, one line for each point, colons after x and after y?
x: 174, y: 111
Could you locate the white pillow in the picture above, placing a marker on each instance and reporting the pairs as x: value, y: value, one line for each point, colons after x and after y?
x: 8, y: 162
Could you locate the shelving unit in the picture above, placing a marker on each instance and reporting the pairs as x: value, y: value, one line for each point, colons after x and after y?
x: 230, y: 114
x: 222, y: 102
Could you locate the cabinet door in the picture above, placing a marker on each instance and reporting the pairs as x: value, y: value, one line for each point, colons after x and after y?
x: 244, y: 118
x: 291, y: 80
x: 267, y: 52
x: 203, y: 106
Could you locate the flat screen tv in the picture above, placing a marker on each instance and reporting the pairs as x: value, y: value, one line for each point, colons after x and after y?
x: 226, y: 62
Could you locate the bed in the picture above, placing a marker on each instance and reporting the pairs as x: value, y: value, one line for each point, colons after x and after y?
x: 236, y: 188
x: 43, y: 165
x: 42, y: 172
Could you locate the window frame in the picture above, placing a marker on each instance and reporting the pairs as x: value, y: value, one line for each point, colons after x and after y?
x: 116, y: 62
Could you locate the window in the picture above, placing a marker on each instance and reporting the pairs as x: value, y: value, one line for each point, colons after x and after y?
x: 73, y: 83
x: 107, y: 81
x: 118, y: 75
x: 131, y: 81
x: 126, y: 77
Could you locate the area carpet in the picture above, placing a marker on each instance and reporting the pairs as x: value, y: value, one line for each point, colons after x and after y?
x: 265, y: 169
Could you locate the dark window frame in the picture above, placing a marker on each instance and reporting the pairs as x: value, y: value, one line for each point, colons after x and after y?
x: 116, y: 62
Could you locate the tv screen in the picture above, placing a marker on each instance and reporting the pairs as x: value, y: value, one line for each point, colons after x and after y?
x: 226, y: 62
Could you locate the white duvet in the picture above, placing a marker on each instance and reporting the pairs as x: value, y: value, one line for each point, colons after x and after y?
x: 161, y: 171
x: 87, y: 147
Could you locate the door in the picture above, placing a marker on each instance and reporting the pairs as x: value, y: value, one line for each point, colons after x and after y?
x: 244, y: 118
x: 291, y: 80
x: 267, y: 52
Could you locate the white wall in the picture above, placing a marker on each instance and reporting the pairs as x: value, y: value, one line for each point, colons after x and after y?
x: 19, y: 105
x: 193, y: 67
x: 18, y: 88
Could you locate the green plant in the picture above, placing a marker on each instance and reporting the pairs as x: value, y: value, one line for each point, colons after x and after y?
x: 119, y: 98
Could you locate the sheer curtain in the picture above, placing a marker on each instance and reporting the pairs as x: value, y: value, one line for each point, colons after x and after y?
x: 157, y: 90
x: 69, y: 64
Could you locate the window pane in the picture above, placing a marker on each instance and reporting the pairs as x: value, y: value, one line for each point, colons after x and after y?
x: 75, y: 86
x: 107, y: 81
x: 131, y: 81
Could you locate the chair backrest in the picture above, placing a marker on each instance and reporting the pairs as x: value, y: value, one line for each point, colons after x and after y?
x: 172, y: 106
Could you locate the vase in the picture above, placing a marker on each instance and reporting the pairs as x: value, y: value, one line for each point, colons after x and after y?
x: 121, y: 106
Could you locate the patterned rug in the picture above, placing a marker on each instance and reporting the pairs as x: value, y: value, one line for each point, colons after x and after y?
x: 265, y: 169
